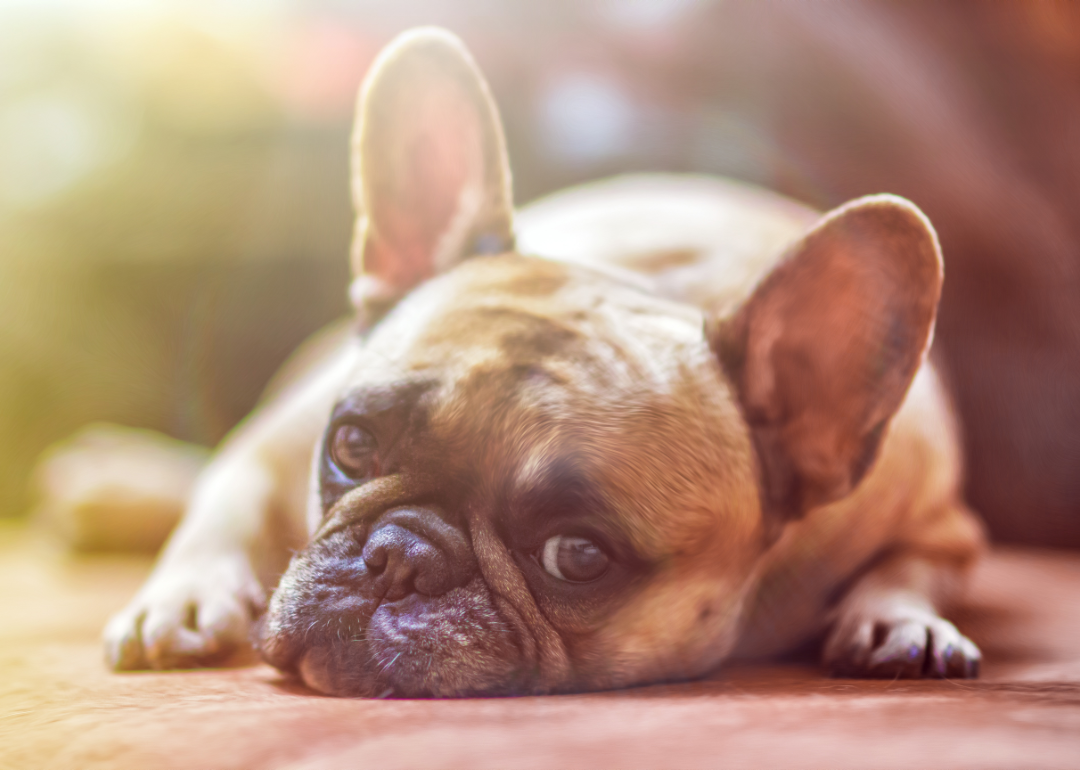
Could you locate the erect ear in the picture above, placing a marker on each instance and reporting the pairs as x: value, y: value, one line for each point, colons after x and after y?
x: 430, y: 178
x: 823, y: 352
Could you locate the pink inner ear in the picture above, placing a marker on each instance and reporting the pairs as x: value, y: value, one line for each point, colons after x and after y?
x: 429, y: 158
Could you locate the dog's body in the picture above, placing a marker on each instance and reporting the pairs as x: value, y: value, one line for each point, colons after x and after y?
x: 619, y: 463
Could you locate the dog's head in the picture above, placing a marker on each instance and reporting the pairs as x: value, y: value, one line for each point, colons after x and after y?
x: 542, y: 477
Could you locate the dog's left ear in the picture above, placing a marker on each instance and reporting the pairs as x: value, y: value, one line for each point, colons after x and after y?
x: 823, y: 352
x: 430, y: 177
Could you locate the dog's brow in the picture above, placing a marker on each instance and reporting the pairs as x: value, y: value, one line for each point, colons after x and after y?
x: 560, y: 490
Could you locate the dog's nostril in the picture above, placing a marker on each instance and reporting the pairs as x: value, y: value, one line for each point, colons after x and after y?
x: 375, y: 558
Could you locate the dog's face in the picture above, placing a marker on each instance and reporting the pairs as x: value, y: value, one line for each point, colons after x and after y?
x: 530, y: 483
x: 541, y: 477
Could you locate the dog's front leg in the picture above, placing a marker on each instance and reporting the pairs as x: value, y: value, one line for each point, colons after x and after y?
x: 203, y: 594
x: 888, y: 626
x: 244, y: 518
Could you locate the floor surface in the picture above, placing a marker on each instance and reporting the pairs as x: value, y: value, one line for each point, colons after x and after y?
x: 60, y: 708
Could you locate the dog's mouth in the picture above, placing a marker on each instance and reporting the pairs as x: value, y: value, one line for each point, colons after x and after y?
x: 345, y: 629
x: 413, y: 649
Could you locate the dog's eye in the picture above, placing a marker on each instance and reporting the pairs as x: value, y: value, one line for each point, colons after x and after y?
x: 573, y: 559
x: 353, y: 450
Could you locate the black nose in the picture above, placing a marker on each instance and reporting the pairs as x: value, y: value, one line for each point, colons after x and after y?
x: 413, y: 550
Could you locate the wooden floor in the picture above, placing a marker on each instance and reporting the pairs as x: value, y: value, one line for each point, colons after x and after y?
x: 60, y: 708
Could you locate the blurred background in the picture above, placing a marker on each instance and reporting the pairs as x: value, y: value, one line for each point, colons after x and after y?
x: 174, y: 214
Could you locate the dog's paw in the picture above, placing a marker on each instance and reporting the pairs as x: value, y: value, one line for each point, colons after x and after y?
x: 186, y: 617
x: 904, y: 643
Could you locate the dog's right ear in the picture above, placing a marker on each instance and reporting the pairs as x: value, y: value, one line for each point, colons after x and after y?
x: 430, y: 177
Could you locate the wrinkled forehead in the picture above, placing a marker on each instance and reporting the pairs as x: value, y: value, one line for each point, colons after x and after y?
x: 524, y: 347
x: 544, y: 379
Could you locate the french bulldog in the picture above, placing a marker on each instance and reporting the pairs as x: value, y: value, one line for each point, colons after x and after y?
x: 656, y: 423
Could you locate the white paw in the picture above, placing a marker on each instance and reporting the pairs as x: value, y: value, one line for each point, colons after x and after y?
x: 905, y: 643
x: 187, y: 616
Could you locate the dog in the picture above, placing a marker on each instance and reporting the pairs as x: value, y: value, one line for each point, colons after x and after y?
x: 657, y: 423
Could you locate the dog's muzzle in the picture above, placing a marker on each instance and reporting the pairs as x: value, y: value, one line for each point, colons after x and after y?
x: 391, y: 603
